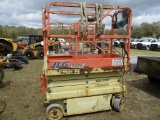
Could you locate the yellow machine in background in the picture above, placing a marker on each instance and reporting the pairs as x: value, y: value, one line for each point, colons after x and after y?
x: 33, y: 51
x: 7, y: 49
x: 36, y: 50
x: 7, y: 45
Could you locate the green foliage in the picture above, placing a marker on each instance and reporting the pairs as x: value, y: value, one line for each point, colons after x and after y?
x: 144, y: 30
x: 13, y: 31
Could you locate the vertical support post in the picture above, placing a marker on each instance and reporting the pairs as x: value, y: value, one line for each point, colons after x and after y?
x: 43, y: 81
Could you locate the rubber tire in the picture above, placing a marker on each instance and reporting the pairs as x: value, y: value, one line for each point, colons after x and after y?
x: 152, y: 49
x: 1, y: 75
x: 29, y: 52
x: 52, y: 106
x: 39, y: 54
x: 116, y: 44
x: 117, y: 102
x: 152, y: 80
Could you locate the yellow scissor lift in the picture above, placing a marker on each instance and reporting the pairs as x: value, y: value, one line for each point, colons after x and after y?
x: 81, y: 81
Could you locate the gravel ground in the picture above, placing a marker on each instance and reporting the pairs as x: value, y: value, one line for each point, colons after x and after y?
x: 21, y: 91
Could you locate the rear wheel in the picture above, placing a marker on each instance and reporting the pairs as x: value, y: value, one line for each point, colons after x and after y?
x: 40, y: 54
x: 29, y: 54
x: 118, y: 104
x: 54, y: 112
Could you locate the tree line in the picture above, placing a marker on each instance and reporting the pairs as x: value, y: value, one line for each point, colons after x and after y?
x: 13, y: 31
x: 144, y: 30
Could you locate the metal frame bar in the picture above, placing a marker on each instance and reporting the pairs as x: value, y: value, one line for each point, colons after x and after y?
x: 46, y: 26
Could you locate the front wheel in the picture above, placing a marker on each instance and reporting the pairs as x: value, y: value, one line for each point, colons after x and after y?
x: 54, y: 112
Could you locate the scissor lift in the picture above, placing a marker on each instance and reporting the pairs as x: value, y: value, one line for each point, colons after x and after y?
x: 80, y: 80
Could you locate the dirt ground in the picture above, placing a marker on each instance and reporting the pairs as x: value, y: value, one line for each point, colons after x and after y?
x: 21, y: 91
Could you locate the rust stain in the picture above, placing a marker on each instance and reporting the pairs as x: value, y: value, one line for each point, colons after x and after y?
x: 118, y: 68
x: 82, y: 71
x: 87, y: 92
x: 101, y: 85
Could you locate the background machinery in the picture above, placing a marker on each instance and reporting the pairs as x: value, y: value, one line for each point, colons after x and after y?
x: 88, y: 75
x: 149, y: 66
x: 31, y: 47
x: 7, y: 49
